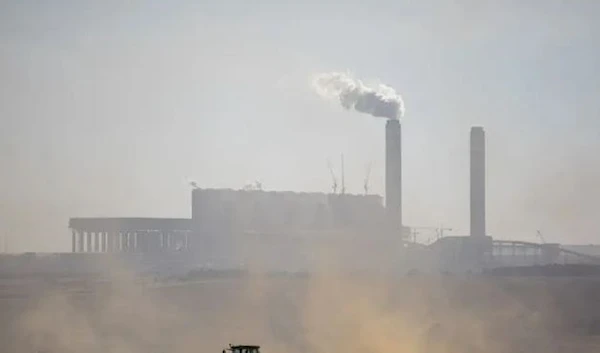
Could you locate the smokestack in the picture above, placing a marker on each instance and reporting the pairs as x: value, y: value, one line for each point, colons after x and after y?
x: 477, y: 187
x: 393, y: 173
x: 378, y: 100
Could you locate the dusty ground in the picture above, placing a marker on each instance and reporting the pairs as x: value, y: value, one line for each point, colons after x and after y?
x: 320, y: 314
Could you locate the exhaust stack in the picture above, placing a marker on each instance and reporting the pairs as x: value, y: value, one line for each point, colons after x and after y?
x: 393, y: 174
x: 477, y: 182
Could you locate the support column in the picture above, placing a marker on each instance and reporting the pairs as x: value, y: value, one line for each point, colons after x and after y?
x: 109, y: 242
x: 175, y: 241
x: 124, y: 242
x: 81, y: 241
x: 121, y: 241
x: 116, y: 247
x: 157, y: 240
x: 142, y: 242
x: 127, y: 247
x: 73, y: 241
x: 88, y: 241
x: 96, y: 242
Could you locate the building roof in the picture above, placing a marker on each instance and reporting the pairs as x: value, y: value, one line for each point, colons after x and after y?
x: 130, y: 224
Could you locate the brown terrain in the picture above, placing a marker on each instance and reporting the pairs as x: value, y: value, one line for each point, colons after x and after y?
x: 318, y: 314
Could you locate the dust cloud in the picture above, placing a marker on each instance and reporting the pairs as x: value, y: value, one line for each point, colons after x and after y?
x: 328, y: 311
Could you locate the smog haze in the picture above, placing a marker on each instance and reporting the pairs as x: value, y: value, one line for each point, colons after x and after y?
x: 109, y: 107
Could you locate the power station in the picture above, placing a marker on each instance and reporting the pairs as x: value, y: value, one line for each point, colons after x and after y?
x: 282, y: 230
x: 288, y: 230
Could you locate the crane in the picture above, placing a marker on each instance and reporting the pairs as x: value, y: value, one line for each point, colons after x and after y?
x: 367, y: 176
x: 539, y: 235
x: 333, y: 177
x: 415, y: 232
x: 440, y: 231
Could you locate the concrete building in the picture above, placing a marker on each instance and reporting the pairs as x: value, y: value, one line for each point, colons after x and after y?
x: 226, y: 211
x: 284, y: 228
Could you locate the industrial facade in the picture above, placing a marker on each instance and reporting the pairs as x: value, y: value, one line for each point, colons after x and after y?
x: 280, y: 228
x: 226, y: 210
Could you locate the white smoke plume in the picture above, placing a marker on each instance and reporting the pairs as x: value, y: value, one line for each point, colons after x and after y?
x: 377, y: 100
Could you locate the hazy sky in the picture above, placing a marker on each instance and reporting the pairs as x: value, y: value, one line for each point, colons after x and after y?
x: 107, y: 107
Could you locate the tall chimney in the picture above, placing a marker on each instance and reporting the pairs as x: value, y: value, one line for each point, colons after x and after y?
x: 393, y: 173
x: 477, y: 182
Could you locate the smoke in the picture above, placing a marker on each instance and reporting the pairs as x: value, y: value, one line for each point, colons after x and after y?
x: 377, y: 100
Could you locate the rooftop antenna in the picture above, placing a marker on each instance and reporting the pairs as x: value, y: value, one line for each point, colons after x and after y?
x: 343, y: 182
x: 441, y: 230
x: 333, y: 177
x: 367, y: 176
x: 192, y: 183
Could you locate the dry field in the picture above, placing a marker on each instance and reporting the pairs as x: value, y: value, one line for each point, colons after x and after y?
x: 320, y: 314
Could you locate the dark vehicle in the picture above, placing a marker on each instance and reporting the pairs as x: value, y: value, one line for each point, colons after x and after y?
x: 242, y: 349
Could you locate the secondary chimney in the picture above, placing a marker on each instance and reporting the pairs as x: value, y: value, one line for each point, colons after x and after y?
x: 477, y: 182
x: 393, y: 173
